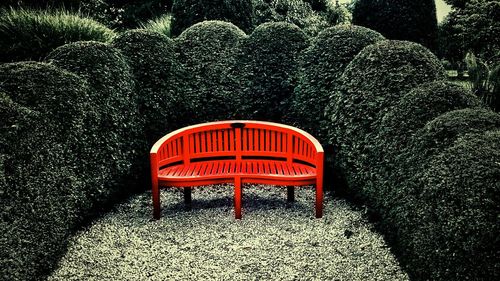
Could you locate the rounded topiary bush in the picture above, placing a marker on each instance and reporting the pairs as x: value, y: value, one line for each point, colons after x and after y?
x: 32, y: 34
x: 40, y: 193
x: 420, y: 105
x: 442, y: 131
x: 321, y: 66
x: 207, y: 52
x: 158, y: 80
x: 185, y: 13
x: 371, y: 84
x: 403, y: 204
x: 268, y: 66
x: 50, y: 90
x: 455, y: 234
x: 429, y: 141
x: 116, y: 128
x: 398, y: 127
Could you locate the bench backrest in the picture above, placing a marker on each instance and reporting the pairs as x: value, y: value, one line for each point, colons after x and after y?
x: 237, y: 140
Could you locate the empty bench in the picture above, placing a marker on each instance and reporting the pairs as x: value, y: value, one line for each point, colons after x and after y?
x: 237, y: 152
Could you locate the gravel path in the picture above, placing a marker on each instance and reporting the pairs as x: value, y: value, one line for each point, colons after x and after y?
x: 273, y: 241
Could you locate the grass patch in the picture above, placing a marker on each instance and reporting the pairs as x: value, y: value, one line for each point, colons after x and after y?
x: 32, y: 34
x: 161, y: 25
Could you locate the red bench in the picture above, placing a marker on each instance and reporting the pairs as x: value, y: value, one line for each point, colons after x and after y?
x: 237, y: 152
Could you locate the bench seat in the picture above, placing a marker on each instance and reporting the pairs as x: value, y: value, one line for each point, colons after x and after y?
x: 230, y: 168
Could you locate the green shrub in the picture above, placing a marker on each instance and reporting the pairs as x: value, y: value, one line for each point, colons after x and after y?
x: 40, y: 193
x: 398, y: 128
x: 451, y: 227
x: 442, y: 131
x: 116, y: 127
x: 188, y: 12
x: 268, y: 67
x: 161, y: 25
x: 399, y: 19
x: 371, y: 84
x: 158, y: 77
x: 50, y: 90
x: 31, y: 35
x: 207, y: 52
x: 321, y: 66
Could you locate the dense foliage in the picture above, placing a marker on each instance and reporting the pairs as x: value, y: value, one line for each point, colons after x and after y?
x: 267, y: 66
x: 158, y: 77
x: 432, y: 197
x: 397, y: 131
x: 31, y: 34
x: 116, y: 124
x: 321, y: 66
x: 43, y: 111
x: 472, y: 26
x: 188, y: 12
x: 371, y: 84
x: 399, y: 19
x: 207, y: 52
x: 458, y: 219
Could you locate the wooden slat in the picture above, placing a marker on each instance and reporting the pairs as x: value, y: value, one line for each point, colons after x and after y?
x: 226, y: 140
x: 191, y: 144
x: 268, y: 140
x: 256, y: 139
x: 279, y: 147
x: 273, y: 141
x: 209, y: 141
x: 214, y: 140
x: 250, y: 140
x: 219, y: 141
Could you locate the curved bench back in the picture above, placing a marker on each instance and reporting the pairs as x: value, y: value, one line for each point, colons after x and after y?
x: 237, y: 140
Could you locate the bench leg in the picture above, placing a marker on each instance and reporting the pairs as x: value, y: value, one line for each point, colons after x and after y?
x: 237, y: 198
x: 187, y: 197
x: 290, y: 194
x: 156, y: 200
x: 319, y: 199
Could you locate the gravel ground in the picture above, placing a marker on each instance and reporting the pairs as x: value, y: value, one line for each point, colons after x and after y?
x: 273, y: 241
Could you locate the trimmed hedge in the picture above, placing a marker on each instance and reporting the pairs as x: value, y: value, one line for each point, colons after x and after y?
x: 186, y: 13
x: 371, y: 84
x: 268, y: 67
x: 207, y: 52
x: 51, y: 90
x: 32, y: 34
x: 455, y: 234
x: 321, y: 66
x: 439, y: 133
x: 115, y: 128
x: 41, y: 194
x: 61, y: 97
x: 398, y: 129
x: 405, y: 206
x: 158, y: 80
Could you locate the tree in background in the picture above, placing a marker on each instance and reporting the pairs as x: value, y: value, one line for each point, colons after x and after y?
x: 469, y: 38
x: 474, y: 26
x: 399, y: 19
